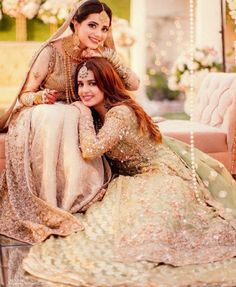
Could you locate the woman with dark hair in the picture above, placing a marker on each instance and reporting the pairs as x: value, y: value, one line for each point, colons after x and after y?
x: 44, y: 168
x: 152, y: 228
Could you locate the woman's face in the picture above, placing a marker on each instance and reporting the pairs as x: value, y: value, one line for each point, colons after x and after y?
x: 88, y: 91
x: 92, y: 31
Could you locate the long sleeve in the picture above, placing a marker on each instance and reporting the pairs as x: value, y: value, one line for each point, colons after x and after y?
x: 114, y: 129
x: 37, y: 74
x: 132, y: 81
x: 128, y: 77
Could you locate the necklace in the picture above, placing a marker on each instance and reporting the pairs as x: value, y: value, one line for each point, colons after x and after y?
x: 70, y: 49
x: 72, y: 53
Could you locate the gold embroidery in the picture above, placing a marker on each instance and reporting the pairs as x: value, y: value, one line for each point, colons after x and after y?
x: 36, y: 74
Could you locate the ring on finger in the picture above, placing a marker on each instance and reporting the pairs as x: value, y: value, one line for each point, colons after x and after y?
x: 45, y: 97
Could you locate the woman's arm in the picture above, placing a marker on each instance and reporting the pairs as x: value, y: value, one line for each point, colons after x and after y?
x: 114, y: 129
x: 31, y: 93
x: 129, y: 78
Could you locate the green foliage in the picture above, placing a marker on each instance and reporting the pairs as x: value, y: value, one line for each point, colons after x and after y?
x: 7, y: 29
x: 158, y: 88
x: 176, y: 116
x: 38, y: 31
x: 119, y: 8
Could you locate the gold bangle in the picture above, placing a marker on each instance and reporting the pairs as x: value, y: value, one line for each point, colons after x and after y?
x: 113, y: 58
x: 29, y: 99
x: 38, y: 99
x: 32, y: 98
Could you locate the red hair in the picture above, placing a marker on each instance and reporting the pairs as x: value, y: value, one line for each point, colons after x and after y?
x: 115, y: 94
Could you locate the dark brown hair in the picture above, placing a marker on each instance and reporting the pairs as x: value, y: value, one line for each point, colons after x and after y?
x: 115, y: 93
x: 90, y: 7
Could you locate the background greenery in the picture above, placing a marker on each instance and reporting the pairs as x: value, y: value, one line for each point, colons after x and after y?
x: 38, y: 31
x: 158, y: 88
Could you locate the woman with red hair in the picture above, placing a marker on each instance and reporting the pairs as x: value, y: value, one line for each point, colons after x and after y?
x: 151, y: 218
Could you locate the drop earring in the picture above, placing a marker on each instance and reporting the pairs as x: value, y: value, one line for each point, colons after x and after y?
x: 76, y: 40
x: 107, y: 106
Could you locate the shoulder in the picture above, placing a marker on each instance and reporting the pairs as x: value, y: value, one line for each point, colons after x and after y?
x: 47, y: 52
x: 122, y: 110
x: 123, y: 114
x: 46, y: 58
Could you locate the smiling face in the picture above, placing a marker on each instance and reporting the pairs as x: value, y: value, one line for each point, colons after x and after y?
x: 92, y: 31
x: 88, y: 91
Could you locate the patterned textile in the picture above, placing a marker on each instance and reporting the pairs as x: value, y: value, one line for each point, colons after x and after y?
x: 149, y: 229
x: 45, y: 172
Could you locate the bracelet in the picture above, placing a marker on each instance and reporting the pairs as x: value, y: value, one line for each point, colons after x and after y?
x: 29, y: 99
x: 113, y: 58
x: 32, y: 98
x: 38, y: 98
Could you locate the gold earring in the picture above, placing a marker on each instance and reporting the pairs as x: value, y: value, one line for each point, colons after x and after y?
x: 76, y: 40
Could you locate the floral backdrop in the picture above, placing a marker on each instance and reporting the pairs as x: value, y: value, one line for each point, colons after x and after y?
x: 166, y: 78
x: 232, y: 8
x: 205, y: 60
x: 55, y: 12
x: 28, y: 8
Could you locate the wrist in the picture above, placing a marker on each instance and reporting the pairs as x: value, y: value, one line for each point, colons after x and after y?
x: 117, y: 64
x: 38, y: 98
x: 31, y: 98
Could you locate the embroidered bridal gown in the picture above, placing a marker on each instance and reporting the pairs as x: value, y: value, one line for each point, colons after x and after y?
x: 45, y: 172
x: 149, y: 229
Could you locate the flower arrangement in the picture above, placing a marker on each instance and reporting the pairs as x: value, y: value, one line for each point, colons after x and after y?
x: 27, y: 8
x: 122, y: 32
x: 205, y: 60
x: 232, y: 9
x: 54, y: 11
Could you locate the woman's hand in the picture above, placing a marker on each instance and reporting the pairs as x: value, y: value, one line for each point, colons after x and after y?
x: 49, y: 96
x: 89, y: 53
x: 81, y: 107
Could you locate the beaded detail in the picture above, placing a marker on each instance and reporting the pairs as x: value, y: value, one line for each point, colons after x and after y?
x: 149, y: 229
x: 71, y: 55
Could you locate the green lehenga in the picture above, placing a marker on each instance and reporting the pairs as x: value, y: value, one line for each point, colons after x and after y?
x: 149, y: 230
x: 213, y: 173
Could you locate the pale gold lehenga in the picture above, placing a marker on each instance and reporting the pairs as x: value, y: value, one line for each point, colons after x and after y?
x: 44, y: 164
x: 149, y: 230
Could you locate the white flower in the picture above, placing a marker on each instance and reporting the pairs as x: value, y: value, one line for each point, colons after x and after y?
x: 172, y: 83
x: 28, y: 8
x: 63, y: 13
x: 181, y: 67
x: 199, y: 55
x: 122, y: 32
x: 232, y: 5
x: 233, y: 14
x: 54, y: 11
x: 232, y: 8
x: 185, y: 80
x: 193, y: 65
x: 205, y: 59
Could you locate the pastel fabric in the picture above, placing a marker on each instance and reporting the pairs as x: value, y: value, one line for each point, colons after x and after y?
x: 43, y: 182
x: 149, y: 229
